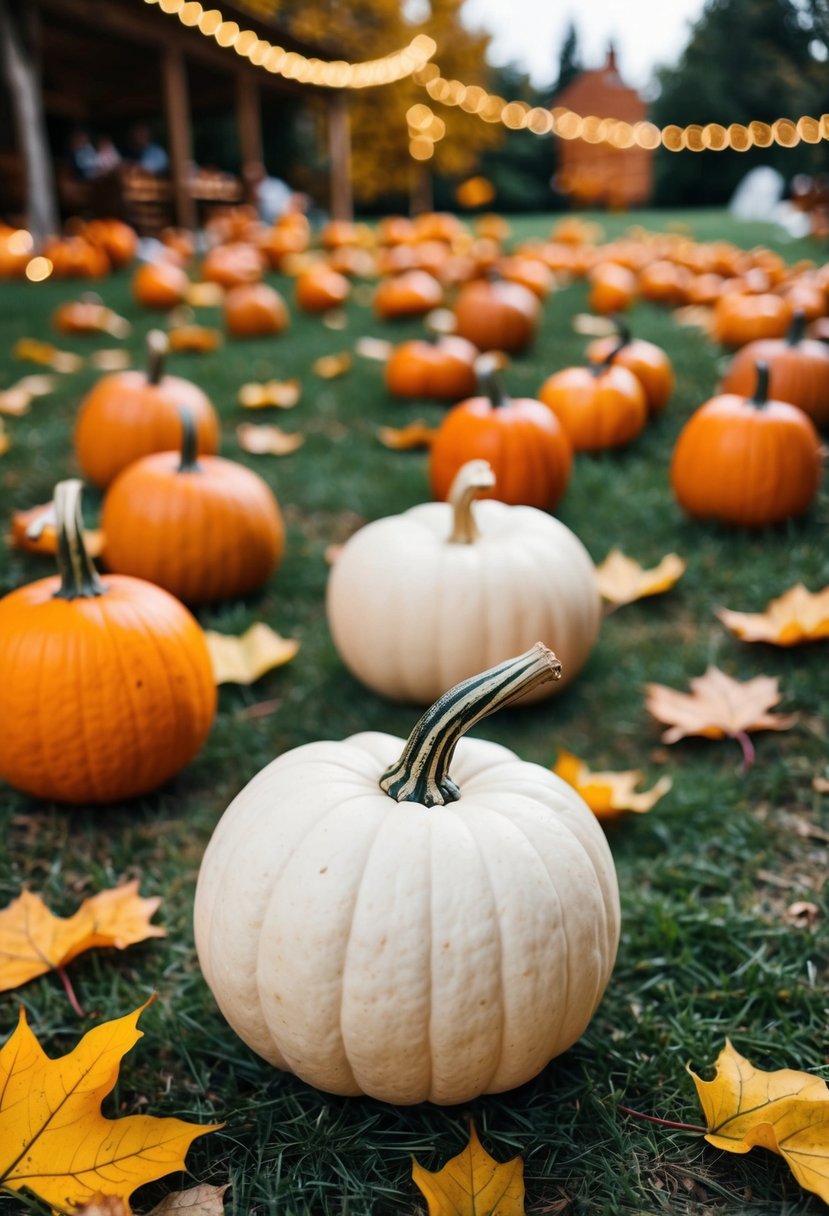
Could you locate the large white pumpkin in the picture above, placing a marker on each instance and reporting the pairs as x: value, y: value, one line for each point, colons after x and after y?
x: 376, y: 926
x: 418, y: 601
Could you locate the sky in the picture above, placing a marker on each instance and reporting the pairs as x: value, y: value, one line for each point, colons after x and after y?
x: 530, y: 32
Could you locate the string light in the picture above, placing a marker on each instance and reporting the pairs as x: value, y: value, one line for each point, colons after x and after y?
x: 331, y: 74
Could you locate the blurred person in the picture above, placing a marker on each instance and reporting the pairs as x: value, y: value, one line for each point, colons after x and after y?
x: 273, y: 197
x: 109, y: 158
x: 150, y: 156
x: 82, y: 154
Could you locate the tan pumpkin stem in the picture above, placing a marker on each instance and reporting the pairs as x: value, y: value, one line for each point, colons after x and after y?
x: 78, y: 576
x: 157, y: 348
x: 422, y: 772
x: 439, y: 323
x: 487, y: 367
x: 470, y: 479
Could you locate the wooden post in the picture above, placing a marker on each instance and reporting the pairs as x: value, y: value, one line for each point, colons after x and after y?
x: 178, y: 128
x: 249, y: 123
x: 339, y: 150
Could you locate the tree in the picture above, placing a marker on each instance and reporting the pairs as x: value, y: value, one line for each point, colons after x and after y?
x: 18, y: 28
x: 569, y: 61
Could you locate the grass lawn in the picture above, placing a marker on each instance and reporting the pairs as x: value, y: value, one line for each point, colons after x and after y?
x: 705, y: 877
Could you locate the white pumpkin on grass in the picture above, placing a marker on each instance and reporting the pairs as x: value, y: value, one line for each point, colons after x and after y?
x: 377, y: 926
x: 421, y: 600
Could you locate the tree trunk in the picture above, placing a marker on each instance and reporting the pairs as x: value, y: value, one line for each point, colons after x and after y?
x: 17, y: 30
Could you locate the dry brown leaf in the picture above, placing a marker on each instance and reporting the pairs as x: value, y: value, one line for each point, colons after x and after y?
x: 267, y: 440
x: 110, y: 360
x: 796, y: 616
x: 205, y: 295
x: 473, y: 1184
x: 102, y: 1205
x: 33, y: 531
x: 609, y: 794
x: 331, y: 366
x: 35, y: 351
x: 194, y: 339
x: 201, y: 1200
x: 335, y: 319
x: 622, y: 580
x: 378, y: 349
x: 802, y: 913
x: 63, y: 1149
x: 415, y: 435
x: 37, y: 384
x: 591, y: 326
x: 242, y: 660
x: 34, y: 941
x: 283, y: 394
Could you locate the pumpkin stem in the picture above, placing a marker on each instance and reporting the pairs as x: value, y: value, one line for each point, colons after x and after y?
x: 474, y: 476
x: 422, y: 772
x: 622, y: 329
x: 189, y: 442
x: 157, y: 348
x: 439, y: 323
x: 761, y: 392
x: 797, y: 329
x: 78, y: 576
x: 486, y: 369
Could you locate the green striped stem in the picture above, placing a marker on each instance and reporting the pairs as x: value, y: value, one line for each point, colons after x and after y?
x: 157, y: 348
x: 470, y: 479
x: 422, y: 772
x: 78, y: 576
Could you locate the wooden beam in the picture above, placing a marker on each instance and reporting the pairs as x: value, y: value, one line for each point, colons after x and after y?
x: 249, y: 123
x: 339, y: 154
x: 174, y: 73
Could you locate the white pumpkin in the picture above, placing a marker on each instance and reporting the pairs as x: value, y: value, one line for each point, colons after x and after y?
x: 396, y: 932
x: 418, y: 601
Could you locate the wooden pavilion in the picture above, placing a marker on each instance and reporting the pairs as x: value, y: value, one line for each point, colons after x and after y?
x: 105, y: 63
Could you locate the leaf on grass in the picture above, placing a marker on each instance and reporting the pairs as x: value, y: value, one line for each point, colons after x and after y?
x: 110, y: 360
x: 378, y: 349
x: 35, y: 351
x: 592, y: 326
x: 785, y: 1111
x: 718, y: 706
x: 17, y: 398
x: 622, y: 580
x: 268, y: 440
x: 796, y: 616
x: 415, y: 435
x: 54, y: 1140
x: 33, y: 940
x: 194, y: 339
x: 609, y: 794
x: 331, y: 366
x: 336, y: 318
x: 473, y: 1184
x: 205, y: 295
x: 90, y: 316
x: 283, y: 394
x: 33, y: 531
x: 102, y: 1205
x: 242, y: 660
x: 201, y: 1200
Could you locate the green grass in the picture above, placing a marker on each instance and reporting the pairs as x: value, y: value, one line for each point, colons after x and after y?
x: 705, y: 950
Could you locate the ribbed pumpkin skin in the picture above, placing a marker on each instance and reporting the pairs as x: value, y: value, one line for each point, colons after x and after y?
x: 798, y: 374
x: 204, y: 535
x: 524, y: 443
x: 444, y: 370
x: 598, y: 411
x: 747, y: 466
x: 740, y: 319
x: 649, y: 364
x: 497, y: 316
x: 412, y: 614
x: 411, y: 954
x: 101, y: 698
x: 124, y: 417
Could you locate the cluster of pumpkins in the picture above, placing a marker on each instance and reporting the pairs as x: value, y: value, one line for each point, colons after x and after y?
x: 88, y: 250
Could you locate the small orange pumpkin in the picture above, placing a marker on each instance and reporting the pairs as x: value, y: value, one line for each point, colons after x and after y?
x: 107, y: 688
x: 601, y: 406
x: 255, y: 310
x: 529, y: 272
x: 798, y: 370
x: 160, y: 285
x: 648, y: 362
x: 443, y: 368
x: 612, y: 288
x: 73, y: 257
x: 747, y: 461
x: 410, y: 294
x: 117, y: 239
x: 234, y: 264
x: 740, y: 318
x: 319, y: 289
x: 497, y: 315
x: 663, y: 282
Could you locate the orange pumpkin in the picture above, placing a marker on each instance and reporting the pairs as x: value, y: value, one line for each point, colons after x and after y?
x: 648, y: 362
x: 203, y: 528
x: 443, y: 368
x: 602, y: 406
x: 339, y: 232
x: 319, y: 289
x: 181, y: 242
x: 16, y: 247
x: 740, y: 318
x: 89, y: 315
x: 255, y: 310
x: 705, y: 288
x: 160, y: 285
x: 530, y: 454
x: 806, y: 297
x: 117, y: 239
x: 529, y: 272
x: 107, y: 686
x: 612, y: 288
x: 282, y: 240
x: 663, y: 282
x: 410, y: 294
x: 747, y: 461
x: 395, y: 230
x: 798, y: 370
x: 438, y: 226
x: 497, y: 315
x: 73, y: 257
x: 130, y: 414
x: 234, y: 264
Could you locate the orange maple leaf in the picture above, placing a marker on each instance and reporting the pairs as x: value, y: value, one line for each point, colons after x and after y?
x: 282, y: 394
x: 415, y: 435
x: 55, y: 1142
x: 609, y: 794
x: 622, y: 580
x: 34, y: 941
x: 473, y: 1184
x: 243, y: 659
x: 329, y: 367
x: 267, y: 440
x: 794, y: 617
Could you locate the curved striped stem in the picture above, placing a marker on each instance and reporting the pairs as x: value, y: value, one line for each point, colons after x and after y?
x: 422, y: 772
x: 78, y: 576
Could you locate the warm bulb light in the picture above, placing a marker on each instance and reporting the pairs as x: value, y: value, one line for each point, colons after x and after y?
x: 38, y: 269
x: 20, y: 241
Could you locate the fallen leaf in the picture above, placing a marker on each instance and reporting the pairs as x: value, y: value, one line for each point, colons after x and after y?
x: 622, y: 580
x: 796, y: 616
x: 802, y: 913
x: 54, y: 1141
x: 242, y: 660
x: 194, y: 339
x: 592, y: 326
x: 331, y: 366
x: 378, y: 349
x: 110, y: 360
x: 205, y: 295
x: 15, y: 401
x: 102, y: 1205
x: 267, y: 440
x: 608, y: 794
x: 33, y: 531
x: 473, y: 1184
x: 201, y: 1200
x: 335, y: 319
x: 90, y: 316
x: 33, y: 940
x: 415, y: 435
x: 718, y: 707
x: 35, y: 351
x: 284, y: 394
x: 786, y: 1112
x: 37, y: 384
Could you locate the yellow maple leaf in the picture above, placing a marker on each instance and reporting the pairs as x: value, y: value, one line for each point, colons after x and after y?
x: 622, y: 580
x: 473, y: 1184
x: 55, y: 1142
x: 242, y: 660
x: 609, y: 794
x: 205, y: 295
x: 416, y: 434
x: 267, y: 440
x: 33, y: 940
x: 798, y: 615
x: 110, y: 360
x: 194, y: 339
x: 283, y: 394
x: 35, y: 351
x: 328, y: 367
x: 784, y: 1111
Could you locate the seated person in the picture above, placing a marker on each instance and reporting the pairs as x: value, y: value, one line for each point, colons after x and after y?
x: 150, y: 156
